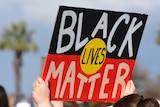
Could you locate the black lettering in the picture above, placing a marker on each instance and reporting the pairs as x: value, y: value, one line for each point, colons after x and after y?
x: 83, y: 56
x: 103, y: 55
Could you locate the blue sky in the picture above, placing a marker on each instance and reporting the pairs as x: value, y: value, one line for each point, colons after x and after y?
x: 40, y: 15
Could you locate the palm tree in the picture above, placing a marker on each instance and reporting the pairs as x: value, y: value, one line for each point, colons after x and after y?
x: 18, y: 39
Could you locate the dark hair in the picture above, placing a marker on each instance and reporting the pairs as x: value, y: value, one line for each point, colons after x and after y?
x: 128, y: 101
x: 148, y: 102
x: 3, y: 97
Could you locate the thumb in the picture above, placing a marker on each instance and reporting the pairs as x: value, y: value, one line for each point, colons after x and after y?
x: 47, y: 82
x: 130, y: 88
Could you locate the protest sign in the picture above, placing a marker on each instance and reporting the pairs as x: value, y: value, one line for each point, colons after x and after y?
x: 92, y: 53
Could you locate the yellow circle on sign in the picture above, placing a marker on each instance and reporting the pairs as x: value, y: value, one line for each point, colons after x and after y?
x: 93, y: 56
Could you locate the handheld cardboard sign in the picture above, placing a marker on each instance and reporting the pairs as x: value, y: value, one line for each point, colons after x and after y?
x: 92, y: 53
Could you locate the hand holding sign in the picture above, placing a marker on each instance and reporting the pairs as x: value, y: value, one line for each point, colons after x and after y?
x: 41, y: 93
x: 130, y: 89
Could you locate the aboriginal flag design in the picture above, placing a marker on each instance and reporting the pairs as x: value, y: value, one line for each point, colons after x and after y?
x: 92, y: 53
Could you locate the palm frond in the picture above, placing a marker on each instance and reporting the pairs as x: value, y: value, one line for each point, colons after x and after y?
x: 17, y: 37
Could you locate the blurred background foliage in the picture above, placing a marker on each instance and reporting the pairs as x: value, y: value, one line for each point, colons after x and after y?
x: 18, y: 38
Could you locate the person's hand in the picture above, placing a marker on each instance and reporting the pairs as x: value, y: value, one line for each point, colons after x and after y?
x: 41, y: 93
x: 130, y: 89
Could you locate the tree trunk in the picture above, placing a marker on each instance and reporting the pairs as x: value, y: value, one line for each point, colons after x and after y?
x: 17, y: 66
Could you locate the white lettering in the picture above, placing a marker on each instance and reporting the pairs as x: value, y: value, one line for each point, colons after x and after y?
x: 123, y: 17
x: 102, y: 24
x: 105, y: 81
x: 93, y: 79
x: 79, y: 31
x: 66, y: 31
x: 128, y: 37
x: 55, y: 72
x: 83, y: 80
x: 120, y: 78
x: 70, y: 78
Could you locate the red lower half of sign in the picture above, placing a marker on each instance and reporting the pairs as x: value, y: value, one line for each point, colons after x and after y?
x: 68, y: 82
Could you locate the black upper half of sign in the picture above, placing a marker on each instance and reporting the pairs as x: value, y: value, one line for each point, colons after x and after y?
x: 90, y: 19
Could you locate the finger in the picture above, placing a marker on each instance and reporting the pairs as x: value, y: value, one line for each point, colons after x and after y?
x: 128, y: 86
x: 47, y: 82
x: 34, y: 96
x: 40, y: 80
x: 126, y: 90
x: 35, y: 84
x: 132, y: 87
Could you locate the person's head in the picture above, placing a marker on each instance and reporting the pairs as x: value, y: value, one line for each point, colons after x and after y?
x: 148, y: 102
x: 3, y: 97
x: 128, y: 101
x: 23, y: 103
